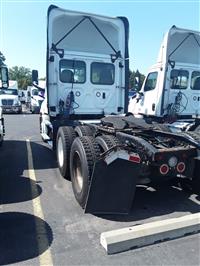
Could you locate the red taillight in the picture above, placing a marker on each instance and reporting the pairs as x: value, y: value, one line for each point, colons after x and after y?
x: 134, y: 158
x: 180, y: 167
x: 164, y: 169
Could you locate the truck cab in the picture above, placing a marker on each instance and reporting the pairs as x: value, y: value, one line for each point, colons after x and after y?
x: 35, y: 97
x: 171, y: 89
x: 9, y: 98
x: 87, y: 67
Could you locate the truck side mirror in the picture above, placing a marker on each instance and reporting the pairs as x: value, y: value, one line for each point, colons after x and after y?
x: 139, y: 96
x: 172, y: 63
x: 4, y: 77
x: 35, y: 76
x: 137, y: 80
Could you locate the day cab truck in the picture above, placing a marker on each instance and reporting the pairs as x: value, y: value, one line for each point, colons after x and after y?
x: 171, y: 91
x: 104, y: 152
x: 35, y: 97
x: 3, y: 85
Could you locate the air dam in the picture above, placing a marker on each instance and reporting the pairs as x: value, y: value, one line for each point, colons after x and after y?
x: 146, y: 234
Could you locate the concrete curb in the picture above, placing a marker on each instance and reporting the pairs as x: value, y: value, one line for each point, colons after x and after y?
x: 142, y: 235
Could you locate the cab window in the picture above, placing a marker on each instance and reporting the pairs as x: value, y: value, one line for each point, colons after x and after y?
x: 179, y: 79
x: 151, y: 81
x: 72, y: 71
x: 102, y: 73
x: 195, y: 80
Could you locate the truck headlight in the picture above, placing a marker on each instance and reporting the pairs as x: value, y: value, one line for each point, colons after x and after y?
x: 17, y: 103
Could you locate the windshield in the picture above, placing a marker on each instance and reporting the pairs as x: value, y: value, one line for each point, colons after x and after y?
x: 9, y: 91
x: 35, y: 92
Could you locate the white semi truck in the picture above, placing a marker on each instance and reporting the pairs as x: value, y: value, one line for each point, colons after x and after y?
x: 171, y: 90
x: 104, y: 152
x: 35, y: 96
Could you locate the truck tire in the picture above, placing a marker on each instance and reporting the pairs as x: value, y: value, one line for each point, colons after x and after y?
x: 64, y: 139
x: 1, y: 141
x: 83, y: 131
x: 84, y: 153
x: 195, y: 184
x: 106, y: 142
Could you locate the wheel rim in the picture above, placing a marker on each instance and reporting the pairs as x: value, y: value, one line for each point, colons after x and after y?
x: 77, y: 172
x: 60, y: 152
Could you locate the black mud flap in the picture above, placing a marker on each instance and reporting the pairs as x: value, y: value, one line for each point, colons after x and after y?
x: 112, y: 187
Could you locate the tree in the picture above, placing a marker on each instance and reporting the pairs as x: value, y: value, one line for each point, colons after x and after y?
x: 22, y: 75
x: 2, y: 58
x: 131, y: 79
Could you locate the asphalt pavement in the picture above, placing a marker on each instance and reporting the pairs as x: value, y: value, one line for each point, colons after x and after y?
x: 41, y: 223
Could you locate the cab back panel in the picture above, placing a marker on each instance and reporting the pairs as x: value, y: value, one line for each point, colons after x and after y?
x: 86, y: 44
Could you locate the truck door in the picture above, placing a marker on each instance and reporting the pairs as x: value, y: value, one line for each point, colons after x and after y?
x: 149, y: 95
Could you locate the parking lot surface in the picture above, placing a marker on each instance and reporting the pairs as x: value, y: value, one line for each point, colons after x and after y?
x: 42, y: 224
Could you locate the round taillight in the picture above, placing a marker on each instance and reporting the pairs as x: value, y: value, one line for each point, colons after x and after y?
x: 180, y: 167
x: 164, y: 169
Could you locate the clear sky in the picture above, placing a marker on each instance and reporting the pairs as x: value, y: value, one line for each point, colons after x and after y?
x: 23, y: 27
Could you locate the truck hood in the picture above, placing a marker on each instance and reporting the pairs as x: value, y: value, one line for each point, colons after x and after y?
x: 180, y: 45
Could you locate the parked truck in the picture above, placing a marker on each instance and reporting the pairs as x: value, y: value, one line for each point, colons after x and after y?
x: 171, y: 91
x: 9, y: 100
x: 104, y: 152
x: 35, y: 96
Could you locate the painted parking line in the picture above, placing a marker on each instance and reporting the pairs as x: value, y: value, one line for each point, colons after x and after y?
x: 146, y: 234
x: 45, y: 258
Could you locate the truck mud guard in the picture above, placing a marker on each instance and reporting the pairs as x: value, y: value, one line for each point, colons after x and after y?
x: 113, y: 184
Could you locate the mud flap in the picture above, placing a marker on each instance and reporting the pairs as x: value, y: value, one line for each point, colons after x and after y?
x: 112, y: 187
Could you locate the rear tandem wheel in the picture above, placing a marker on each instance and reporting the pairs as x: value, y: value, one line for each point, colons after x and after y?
x: 106, y: 142
x: 83, y: 131
x: 84, y: 153
x: 65, y: 137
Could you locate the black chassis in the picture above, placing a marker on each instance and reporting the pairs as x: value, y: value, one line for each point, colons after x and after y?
x: 154, y: 146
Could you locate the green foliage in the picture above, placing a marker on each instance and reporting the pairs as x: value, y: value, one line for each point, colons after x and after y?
x: 2, y: 58
x: 136, y: 80
x: 22, y: 75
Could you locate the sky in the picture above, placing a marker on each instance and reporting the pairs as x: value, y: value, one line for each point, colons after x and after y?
x: 23, y: 27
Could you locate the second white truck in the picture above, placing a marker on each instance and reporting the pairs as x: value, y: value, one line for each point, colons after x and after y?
x: 171, y: 90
